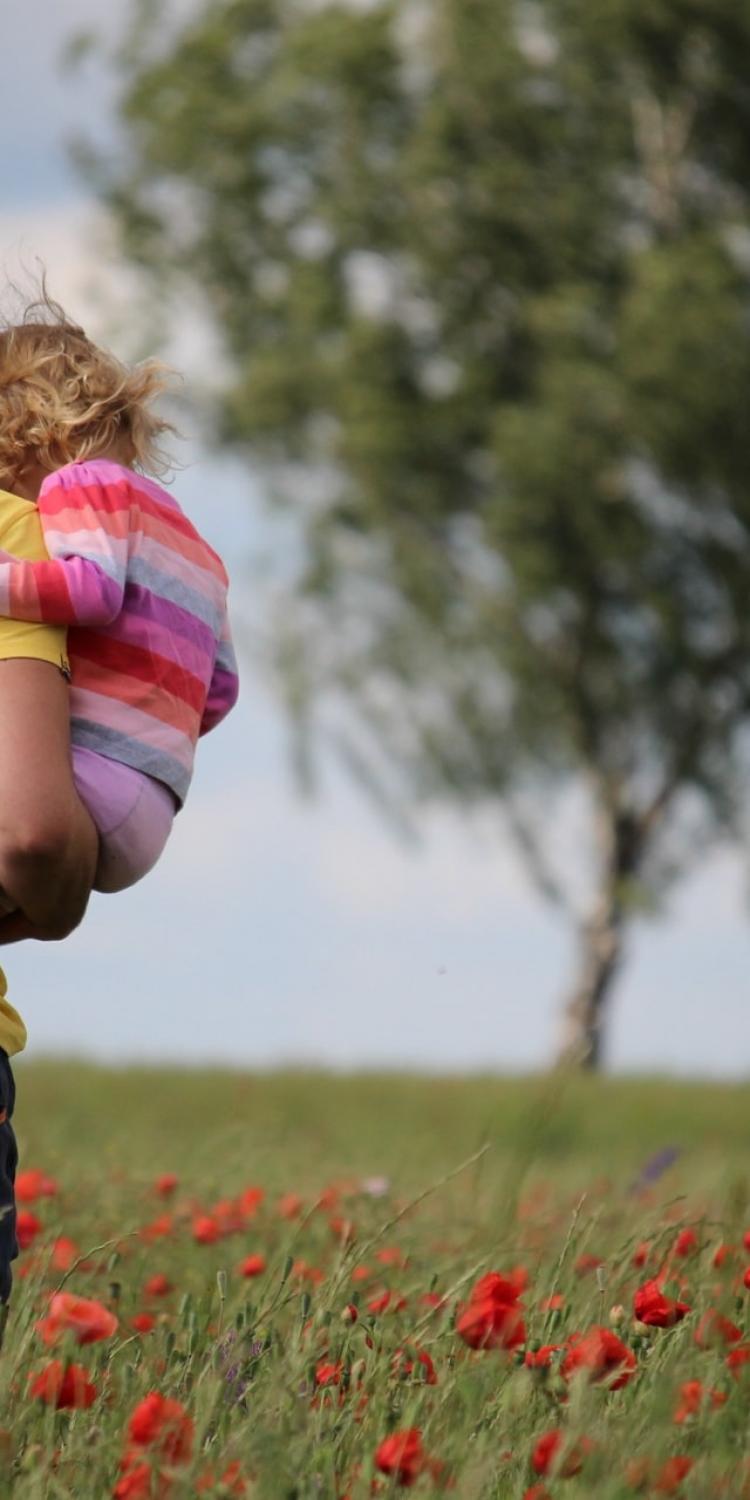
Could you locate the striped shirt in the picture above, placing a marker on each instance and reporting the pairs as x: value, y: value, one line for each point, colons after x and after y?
x: 145, y: 597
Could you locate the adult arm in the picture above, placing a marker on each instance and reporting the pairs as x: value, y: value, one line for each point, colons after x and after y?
x: 48, y: 843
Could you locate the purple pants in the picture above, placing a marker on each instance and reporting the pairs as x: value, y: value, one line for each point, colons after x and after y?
x: 133, y: 814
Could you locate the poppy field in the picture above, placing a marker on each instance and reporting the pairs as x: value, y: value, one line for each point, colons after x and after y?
x: 294, y: 1286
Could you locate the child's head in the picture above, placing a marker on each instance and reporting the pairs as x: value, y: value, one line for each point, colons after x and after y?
x: 63, y: 399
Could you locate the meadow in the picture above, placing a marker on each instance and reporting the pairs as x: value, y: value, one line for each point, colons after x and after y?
x: 300, y: 1285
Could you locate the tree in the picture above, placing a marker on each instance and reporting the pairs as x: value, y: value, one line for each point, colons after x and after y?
x: 481, y: 269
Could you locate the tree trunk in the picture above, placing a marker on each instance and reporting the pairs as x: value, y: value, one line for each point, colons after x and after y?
x: 600, y: 948
x: 620, y: 836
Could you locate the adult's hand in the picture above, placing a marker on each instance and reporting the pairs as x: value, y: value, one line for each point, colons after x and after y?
x: 48, y: 843
x: 16, y: 928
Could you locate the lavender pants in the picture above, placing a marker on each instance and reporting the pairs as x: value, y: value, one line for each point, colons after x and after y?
x: 133, y: 814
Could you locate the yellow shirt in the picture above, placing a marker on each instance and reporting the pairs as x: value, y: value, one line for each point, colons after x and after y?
x: 21, y: 535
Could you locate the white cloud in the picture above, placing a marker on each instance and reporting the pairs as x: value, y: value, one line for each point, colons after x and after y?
x: 73, y: 243
x: 76, y: 243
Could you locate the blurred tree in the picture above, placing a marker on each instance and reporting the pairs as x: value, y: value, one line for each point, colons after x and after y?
x: 481, y: 269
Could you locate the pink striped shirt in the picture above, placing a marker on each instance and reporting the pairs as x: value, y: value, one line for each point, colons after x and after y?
x: 145, y: 600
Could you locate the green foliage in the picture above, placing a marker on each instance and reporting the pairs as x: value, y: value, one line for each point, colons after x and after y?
x: 287, y: 1128
x: 483, y: 270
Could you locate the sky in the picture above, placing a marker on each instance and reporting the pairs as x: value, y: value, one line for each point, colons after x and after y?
x: 278, y: 930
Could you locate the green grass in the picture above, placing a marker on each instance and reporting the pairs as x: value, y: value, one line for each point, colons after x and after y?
x: 548, y: 1167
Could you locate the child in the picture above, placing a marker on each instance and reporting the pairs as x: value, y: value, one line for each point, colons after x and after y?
x: 145, y: 598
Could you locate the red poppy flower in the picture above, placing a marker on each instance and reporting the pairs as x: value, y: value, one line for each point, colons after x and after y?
x: 361, y: 1273
x: 555, y: 1303
x: 641, y: 1253
x: 519, y: 1278
x: 27, y: 1228
x: 714, y: 1330
x: 143, y: 1322
x: 158, y: 1229
x: 163, y: 1426
x: 405, y: 1363
x: 402, y: 1455
x: 158, y: 1285
x: 602, y: 1355
x: 667, y: 1480
x: 250, y: 1201
x: 724, y: 1253
x: 64, y: 1253
x: 379, y: 1303
x: 232, y: 1481
x: 541, y: 1359
x: 342, y: 1229
x: 305, y: 1272
x: 328, y: 1374
x: 671, y: 1475
x: 433, y: 1300
x: 737, y: 1358
x: 491, y: 1325
x: 33, y: 1184
x: 350, y: 1313
x: 638, y: 1473
x: 692, y: 1396
x: 328, y: 1198
x: 390, y: 1256
x: 252, y: 1265
x: 289, y: 1206
x: 228, y: 1216
x: 166, y: 1184
x: 64, y: 1386
x: 550, y: 1454
x: 430, y: 1373
x: 545, y: 1449
x: 206, y: 1230
x: 384, y: 1300
x: 139, y: 1482
x: 537, y: 1492
x: 493, y: 1316
x: 87, y: 1320
x: 654, y: 1309
x: 505, y: 1286
x: 685, y: 1244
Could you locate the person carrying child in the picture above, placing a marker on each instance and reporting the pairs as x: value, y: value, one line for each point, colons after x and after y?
x: 144, y: 597
x: 91, y: 547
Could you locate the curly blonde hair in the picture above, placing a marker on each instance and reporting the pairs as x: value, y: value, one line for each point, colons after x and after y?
x: 63, y: 399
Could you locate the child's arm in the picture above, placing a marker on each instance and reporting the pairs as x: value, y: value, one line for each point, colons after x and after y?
x: 224, y: 687
x: 85, y: 527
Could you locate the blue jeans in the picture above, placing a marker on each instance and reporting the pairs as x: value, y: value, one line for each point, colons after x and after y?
x: 8, y: 1164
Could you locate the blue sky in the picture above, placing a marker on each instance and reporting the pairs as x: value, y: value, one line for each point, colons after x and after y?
x: 279, y: 930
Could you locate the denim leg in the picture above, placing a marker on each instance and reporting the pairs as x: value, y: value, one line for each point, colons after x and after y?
x: 8, y: 1163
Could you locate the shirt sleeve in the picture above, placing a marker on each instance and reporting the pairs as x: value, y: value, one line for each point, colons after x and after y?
x: 224, y: 686
x: 85, y: 524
